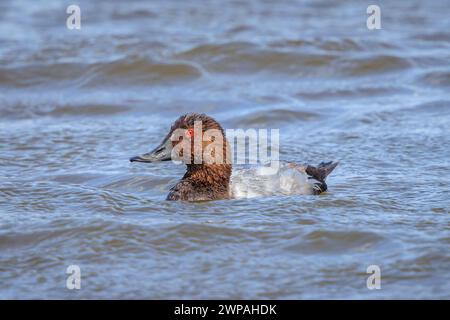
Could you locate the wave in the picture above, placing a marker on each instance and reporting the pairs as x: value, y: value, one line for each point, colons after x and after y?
x: 440, y: 79
x: 274, y: 116
x: 295, y: 58
x: 123, y: 72
x: 141, y: 72
x: 362, y: 92
x: 23, y: 110
x: 377, y: 64
x: 326, y: 241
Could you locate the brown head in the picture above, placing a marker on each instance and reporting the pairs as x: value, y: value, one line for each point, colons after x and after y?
x: 198, y: 141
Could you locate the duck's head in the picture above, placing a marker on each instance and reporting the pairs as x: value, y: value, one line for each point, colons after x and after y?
x: 194, y: 139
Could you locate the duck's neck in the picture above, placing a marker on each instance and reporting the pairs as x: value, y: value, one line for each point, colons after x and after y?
x: 209, y: 174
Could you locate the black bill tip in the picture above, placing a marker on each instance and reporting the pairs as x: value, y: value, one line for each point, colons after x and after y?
x: 136, y: 159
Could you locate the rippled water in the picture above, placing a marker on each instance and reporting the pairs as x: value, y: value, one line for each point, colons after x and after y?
x: 76, y: 104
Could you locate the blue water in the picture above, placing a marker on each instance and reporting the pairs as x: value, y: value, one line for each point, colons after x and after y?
x: 76, y: 104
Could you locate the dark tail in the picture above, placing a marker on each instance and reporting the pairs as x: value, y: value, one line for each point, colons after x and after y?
x: 320, y: 173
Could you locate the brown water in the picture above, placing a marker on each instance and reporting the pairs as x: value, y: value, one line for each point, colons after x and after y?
x: 76, y: 104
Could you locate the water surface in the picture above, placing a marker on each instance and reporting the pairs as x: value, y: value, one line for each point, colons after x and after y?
x: 76, y: 104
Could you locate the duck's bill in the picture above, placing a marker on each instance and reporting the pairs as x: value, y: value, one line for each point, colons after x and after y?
x: 163, y: 152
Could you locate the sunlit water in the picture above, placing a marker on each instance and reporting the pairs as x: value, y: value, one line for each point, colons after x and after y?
x: 76, y: 104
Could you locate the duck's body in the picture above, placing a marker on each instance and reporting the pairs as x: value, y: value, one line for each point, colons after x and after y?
x: 290, y: 179
x: 202, y: 183
x: 213, y: 181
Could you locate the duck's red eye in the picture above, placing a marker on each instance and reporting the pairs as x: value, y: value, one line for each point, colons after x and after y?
x: 190, y: 133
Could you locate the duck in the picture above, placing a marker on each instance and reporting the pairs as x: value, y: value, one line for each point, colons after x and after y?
x: 211, y: 178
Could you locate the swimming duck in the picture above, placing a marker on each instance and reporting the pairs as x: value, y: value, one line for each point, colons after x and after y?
x: 212, y: 180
